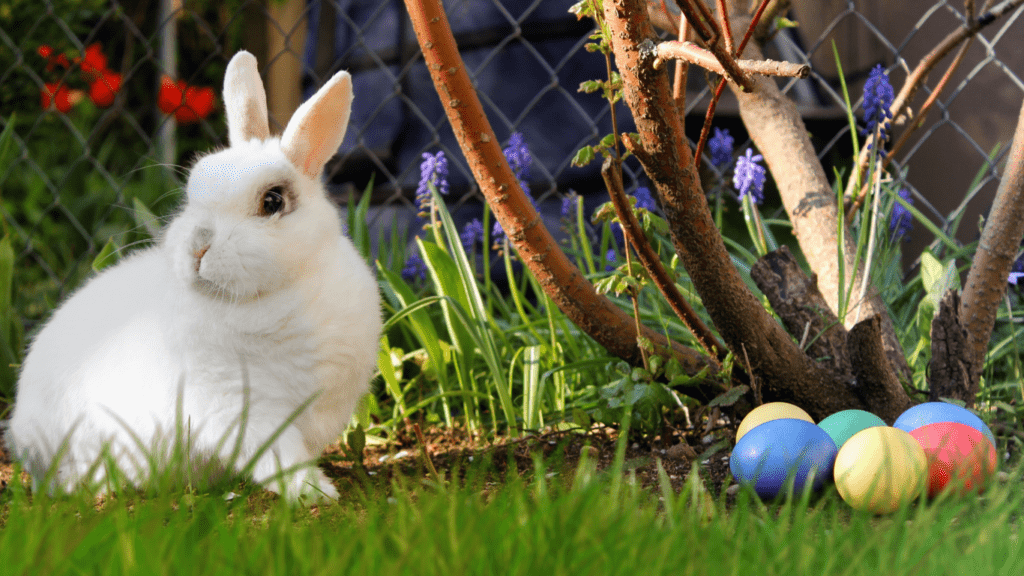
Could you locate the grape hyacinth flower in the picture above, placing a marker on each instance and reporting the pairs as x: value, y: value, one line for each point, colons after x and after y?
x: 609, y: 259
x: 519, y: 159
x: 1017, y: 272
x: 570, y: 204
x: 901, y: 222
x: 644, y: 199
x: 748, y: 176
x: 472, y: 233
x: 720, y: 146
x: 414, y: 268
x: 878, y: 96
x: 433, y: 170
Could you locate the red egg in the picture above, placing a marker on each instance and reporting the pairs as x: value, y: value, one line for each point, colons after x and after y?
x: 959, y: 456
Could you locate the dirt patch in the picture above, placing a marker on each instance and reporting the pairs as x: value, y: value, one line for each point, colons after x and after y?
x: 453, y: 451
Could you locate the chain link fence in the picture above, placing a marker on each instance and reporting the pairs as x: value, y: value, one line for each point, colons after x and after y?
x: 108, y: 100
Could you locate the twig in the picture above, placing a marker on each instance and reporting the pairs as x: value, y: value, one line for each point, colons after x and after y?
x: 558, y: 277
x: 723, y: 15
x: 917, y: 77
x: 690, y: 52
x: 632, y: 230
x: 706, y: 128
x: 426, y: 455
x: 753, y: 379
x: 682, y: 68
x: 725, y: 58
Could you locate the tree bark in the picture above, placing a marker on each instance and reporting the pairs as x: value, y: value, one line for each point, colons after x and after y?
x: 784, y: 371
x: 1000, y: 240
x: 951, y: 370
x: 775, y: 125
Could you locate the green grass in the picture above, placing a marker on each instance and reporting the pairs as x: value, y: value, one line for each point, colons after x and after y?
x: 552, y: 523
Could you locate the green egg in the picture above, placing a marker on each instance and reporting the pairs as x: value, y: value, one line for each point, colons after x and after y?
x: 842, y: 425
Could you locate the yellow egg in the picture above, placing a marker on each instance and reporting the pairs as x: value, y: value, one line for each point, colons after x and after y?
x: 879, y: 469
x: 770, y: 411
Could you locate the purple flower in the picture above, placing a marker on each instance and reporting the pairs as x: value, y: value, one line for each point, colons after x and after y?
x: 901, y: 222
x: 1017, y: 272
x: 609, y: 259
x: 471, y: 234
x: 644, y: 199
x: 414, y: 267
x: 878, y: 96
x: 433, y: 170
x: 519, y: 159
x: 720, y: 146
x: 748, y: 176
x: 569, y: 205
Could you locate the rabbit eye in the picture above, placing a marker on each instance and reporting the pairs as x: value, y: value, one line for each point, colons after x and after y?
x: 273, y: 201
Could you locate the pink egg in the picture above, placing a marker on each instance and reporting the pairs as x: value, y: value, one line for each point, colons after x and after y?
x: 959, y: 456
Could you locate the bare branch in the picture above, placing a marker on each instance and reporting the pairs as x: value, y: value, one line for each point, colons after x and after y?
x: 690, y: 52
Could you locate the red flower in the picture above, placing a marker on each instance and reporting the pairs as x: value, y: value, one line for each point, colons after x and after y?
x: 188, y: 103
x: 94, y: 64
x: 103, y: 89
x: 51, y: 59
x: 58, y: 95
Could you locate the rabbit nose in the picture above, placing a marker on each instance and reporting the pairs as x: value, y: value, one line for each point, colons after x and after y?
x: 199, y: 256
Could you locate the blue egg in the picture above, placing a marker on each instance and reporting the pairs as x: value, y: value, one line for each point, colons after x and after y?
x: 779, y: 449
x: 933, y: 412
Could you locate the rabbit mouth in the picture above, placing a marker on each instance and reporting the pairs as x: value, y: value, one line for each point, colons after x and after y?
x: 218, y: 292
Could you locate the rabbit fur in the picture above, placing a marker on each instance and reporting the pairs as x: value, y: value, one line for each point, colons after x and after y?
x: 252, y: 304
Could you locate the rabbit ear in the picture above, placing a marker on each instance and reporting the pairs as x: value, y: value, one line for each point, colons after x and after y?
x: 245, y: 100
x: 317, y: 128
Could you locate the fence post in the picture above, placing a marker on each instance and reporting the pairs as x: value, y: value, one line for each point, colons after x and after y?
x: 168, y: 22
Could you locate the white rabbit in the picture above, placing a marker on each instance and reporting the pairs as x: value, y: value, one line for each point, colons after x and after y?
x: 253, y: 291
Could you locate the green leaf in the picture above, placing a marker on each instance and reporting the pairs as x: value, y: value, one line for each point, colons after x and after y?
x: 782, y: 23
x: 931, y: 271
x: 608, y: 140
x: 106, y: 257
x: 584, y: 156
x: 581, y: 419
x: 729, y: 398
x: 590, y: 86
x: 144, y: 217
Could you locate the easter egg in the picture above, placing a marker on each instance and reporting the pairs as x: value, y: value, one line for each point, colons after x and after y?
x: 959, y: 457
x: 770, y: 454
x: 841, y: 426
x: 770, y: 411
x: 880, y: 469
x: 932, y: 412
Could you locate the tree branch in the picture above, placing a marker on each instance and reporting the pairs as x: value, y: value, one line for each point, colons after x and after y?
x: 783, y: 369
x: 775, y: 125
x: 986, y: 281
x: 690, y: 52
x: 635, y: 235
x: 559, y: 278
